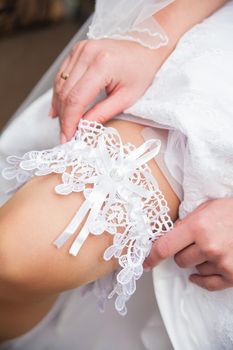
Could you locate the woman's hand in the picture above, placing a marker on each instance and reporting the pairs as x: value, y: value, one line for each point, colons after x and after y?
x: 204, y: 239
x: 123, y: 68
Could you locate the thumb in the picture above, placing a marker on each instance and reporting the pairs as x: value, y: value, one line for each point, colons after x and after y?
x: 170, y: 244
x: 110, y: 107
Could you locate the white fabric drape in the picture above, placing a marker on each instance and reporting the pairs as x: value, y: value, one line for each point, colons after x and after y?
x: 192, y: 92
x: 129, y: 20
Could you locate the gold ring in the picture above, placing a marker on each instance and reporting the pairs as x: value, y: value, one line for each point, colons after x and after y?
x: 64, y: 76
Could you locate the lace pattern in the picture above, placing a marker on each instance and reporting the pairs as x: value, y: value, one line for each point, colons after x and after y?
x: 121, y: 196
x: 199, y: 116
x: 129, y: 20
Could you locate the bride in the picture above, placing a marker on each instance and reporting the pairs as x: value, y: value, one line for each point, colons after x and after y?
x: 41, y: 305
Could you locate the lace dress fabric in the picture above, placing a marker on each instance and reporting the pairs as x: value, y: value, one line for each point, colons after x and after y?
x: 186, y: 97
x: 192, y: 97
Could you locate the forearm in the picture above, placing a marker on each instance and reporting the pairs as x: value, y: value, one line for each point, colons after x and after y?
x: 180, y: 16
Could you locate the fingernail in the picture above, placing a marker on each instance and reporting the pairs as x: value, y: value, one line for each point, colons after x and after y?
x: 89, y: 117
x: 52, y: 113
x: 147, y: 269
x: 63, y: 138
x: 146, y: 266
x: 177, y: 223
x: 192, y: 279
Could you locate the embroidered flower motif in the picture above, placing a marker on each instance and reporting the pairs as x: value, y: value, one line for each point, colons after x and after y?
x: 121, y: 196
x: 14, y: 172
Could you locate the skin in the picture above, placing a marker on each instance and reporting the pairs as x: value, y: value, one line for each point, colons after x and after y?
x: 95, y: 65
x: 116, y: 63
x: 33, y: 271
x: 204, y: 239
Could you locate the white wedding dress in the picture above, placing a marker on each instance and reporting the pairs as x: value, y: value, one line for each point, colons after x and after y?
x: 191, y: 96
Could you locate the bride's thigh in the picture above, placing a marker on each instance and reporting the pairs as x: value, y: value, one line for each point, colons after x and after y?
x: 35, y: 216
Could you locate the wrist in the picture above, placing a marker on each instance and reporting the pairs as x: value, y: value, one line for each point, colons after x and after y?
x: 179, y: 17
x: 160, y: 55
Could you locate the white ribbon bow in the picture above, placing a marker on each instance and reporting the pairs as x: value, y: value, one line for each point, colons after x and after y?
x: 113, y: 175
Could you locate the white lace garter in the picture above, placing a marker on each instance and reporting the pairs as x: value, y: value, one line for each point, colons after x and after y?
x: 121, y: 196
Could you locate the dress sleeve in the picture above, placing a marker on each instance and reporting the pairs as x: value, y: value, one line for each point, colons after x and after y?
x: 129, y: 20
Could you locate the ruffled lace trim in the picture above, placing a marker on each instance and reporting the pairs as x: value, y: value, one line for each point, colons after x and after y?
x: 129, y: 20
x: 144, y: 36
x: 121, y: 196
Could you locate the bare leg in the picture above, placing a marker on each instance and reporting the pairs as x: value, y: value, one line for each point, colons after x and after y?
x: 33, y: 272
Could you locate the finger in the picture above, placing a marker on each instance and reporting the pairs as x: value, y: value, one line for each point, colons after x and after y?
x: 189, y: 256
x: 52, y: 111
x: 177, y: 222
x: 82, y: 94
x: 207, y: 269
x: 110, y: 107
x: 211, y: 283
x: 57, y: 82
x: 65, y: 68
x: 68, y: 65
x: 76, y: 72
x: 203, y: 205
x: 78, y: 67
x: 170, y: 244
